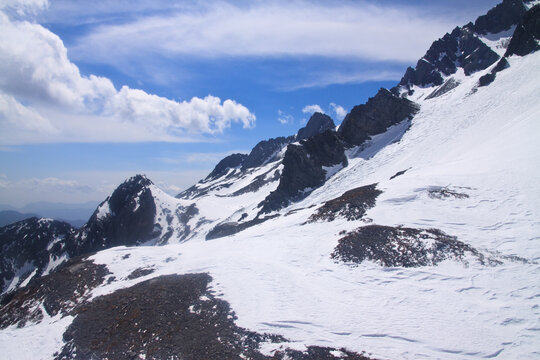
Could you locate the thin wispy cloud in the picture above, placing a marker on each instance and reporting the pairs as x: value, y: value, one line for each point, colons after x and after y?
x: 205, y: 159
x: 23, y: 7
x: 216, y: 29
x: 47, y: 184
x: 285, y: 118
x: 341, y: 78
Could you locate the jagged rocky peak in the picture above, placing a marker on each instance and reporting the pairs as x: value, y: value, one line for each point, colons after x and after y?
x: 229, y: 162
x: 524, y: 41
x: 266, y: 151
x: 374, y: 117
x: 461, y: 48
x: 317, y: 124
x: 526, y: 38
x: 501, y: 18
x: 124, y: 218
x: 128, y: 190
x: 305, y: 167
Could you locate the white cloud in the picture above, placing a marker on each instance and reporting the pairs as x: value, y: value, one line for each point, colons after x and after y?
x: 207, y: 115
x: 204, y: 159
x: 44, y: 98
x: 359, y: 30
x: 310, y: 109
x: 14, y: 115
x: 338, y: 111
x: 284, y: 118
x: 4, y: 183
x: 22, y: 7
x: 330, y: 78
x: 210, y: 158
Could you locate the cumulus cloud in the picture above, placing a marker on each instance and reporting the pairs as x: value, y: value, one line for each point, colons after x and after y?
x: 284, y: 118
x: 361, y: 30
x: 15, y: 115
x: 206, y: 115
x: 44, y: 98
x: 338, y: 111
x: 310, y: 109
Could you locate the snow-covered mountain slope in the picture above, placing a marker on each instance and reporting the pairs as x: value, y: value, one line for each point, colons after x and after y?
x: 423, y: 243
x: 29, y: 248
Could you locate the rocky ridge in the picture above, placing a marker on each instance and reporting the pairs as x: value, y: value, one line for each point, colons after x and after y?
x: 32, y: 247
x: 463, y: 47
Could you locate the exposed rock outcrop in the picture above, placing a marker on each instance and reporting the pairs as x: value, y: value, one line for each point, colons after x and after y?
x: 526, y: 38
x: 461, y: 48
x: 229, y: 162
x: 59, y: 293
x: 404, y: 247
x: 524, y: 41
x: 303, y: 169
x: 448, y: 85
x: 317, y: 124
x: 375, y: 117
x: 502, y: 17
x: 30, y: 246
x: 124, y: 218
x: 352, y: 205
x: 265, y: 152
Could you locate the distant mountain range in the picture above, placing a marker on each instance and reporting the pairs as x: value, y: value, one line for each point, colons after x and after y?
x: 75, y: 214
x: 10, y: 216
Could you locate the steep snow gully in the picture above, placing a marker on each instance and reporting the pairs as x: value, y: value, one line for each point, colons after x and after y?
x: 415, y: 235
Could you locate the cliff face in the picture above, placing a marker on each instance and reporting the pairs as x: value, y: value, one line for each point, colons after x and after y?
x: 376, y: 116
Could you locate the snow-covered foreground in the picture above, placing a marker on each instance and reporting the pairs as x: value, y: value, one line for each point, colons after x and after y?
x: 286, y: 283
x: 279, y: 278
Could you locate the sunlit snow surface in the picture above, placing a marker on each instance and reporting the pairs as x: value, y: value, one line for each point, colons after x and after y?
x: 278, y: 276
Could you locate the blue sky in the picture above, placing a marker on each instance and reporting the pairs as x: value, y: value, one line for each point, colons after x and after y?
x: 92, y: 95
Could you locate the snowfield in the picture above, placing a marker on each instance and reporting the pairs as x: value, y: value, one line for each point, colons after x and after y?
x: 480, y: 143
